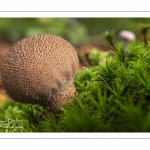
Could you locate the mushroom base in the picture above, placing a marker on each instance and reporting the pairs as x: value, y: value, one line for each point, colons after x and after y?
x: 61, y: 98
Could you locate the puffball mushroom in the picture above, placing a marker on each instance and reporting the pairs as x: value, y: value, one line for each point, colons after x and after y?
x: 40, y: 69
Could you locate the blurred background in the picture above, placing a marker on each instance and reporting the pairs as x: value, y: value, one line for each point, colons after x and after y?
x: 78, y: 31
x: 85, y: 34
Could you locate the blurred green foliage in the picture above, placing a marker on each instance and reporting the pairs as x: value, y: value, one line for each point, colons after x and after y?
x: 17, y: 28
x: 76, y: 30
x: 99, y: 25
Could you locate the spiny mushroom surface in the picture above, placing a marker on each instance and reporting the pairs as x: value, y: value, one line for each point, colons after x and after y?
x: 40, y: 70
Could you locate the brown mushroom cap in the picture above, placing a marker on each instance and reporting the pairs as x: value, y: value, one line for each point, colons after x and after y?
x: 40, y: 70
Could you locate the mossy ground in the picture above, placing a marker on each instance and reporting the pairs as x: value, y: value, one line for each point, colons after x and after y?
x: 112, y: 97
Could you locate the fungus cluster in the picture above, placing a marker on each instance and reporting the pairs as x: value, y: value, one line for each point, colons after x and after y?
x: 40, y: 70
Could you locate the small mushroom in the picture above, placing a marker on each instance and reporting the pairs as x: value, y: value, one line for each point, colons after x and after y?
x: 40, y: 70
x: 127, y: 36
